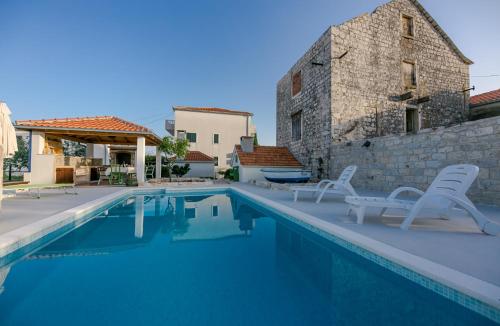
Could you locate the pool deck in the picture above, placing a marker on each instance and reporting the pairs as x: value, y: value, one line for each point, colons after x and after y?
x: 23, y: 209
x: 456, y: 243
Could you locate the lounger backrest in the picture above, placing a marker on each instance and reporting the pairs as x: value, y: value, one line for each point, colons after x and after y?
x: 346, y: 175
x: 454, y: 179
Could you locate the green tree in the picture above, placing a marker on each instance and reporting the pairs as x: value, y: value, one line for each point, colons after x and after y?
x: 255, y: 140
x: 72, y: 148
x: 20, y: 158
x: 173, y: 148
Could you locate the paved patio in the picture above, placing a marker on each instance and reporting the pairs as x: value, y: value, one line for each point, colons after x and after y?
x: 23, y: 209
x: 455, y: 243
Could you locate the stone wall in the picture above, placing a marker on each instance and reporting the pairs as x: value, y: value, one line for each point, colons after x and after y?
x: 414, y: 160
x: 352, y: 75
x: 314, y: 102
x: 370, y: 72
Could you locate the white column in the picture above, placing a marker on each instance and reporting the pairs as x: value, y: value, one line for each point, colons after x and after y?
x: 37, y: 142
x: 140, y: 159
x: 158, y: 163
x: 139, y: 217
x: 157, y: 206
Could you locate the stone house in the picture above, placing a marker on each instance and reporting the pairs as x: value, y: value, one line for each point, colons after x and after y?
x: 392, y: 71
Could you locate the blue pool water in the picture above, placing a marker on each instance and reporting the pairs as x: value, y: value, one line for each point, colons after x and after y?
x: 208, y: 260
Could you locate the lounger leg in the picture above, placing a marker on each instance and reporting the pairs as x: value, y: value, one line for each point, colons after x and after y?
x: 412, y: 214
x: 360, y: 212
x: 321, y: 196
x: 295, y: 195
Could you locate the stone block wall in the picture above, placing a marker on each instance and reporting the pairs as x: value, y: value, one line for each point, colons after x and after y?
x: 414, y: 160
x: 368, y: 55
x: 314, y: 102
x: 353, y: 72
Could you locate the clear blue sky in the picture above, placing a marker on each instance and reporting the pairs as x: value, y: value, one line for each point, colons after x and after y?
x: 136, y: 59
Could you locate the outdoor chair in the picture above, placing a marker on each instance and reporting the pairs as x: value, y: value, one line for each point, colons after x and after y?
x: 446, y: 193
x: 102, y: 175
x: 342, y: 186
x: 150, y: 172
x: 115, y: 175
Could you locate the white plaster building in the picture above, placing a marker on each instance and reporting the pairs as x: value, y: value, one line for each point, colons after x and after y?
x: 212, y: 131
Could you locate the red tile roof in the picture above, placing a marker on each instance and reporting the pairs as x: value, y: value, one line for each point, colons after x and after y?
x: 485, y: 98
x: 197, y: 156
x: 267, y: 156
x: 90, y: 123
x: 211, y: 110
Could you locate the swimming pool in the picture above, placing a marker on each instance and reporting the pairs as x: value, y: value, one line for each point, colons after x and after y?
x: 207, y: 259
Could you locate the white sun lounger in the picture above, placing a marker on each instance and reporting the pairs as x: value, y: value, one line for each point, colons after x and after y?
x: 446, y: 192
x: 342, y: 186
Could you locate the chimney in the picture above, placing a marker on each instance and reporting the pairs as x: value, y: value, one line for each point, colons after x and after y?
x: 246, y: 144
x: 181, y: 135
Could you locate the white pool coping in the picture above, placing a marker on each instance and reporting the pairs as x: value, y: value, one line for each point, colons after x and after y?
x: 483, y: 291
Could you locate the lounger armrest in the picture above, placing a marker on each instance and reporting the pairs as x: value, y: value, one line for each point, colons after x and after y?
x: 400, y: 190
x: 327, y: 181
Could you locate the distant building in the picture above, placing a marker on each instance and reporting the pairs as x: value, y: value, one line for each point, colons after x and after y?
x: 200, y: 165
x: 250, y: 159
x: 212, y: 131
x: 485, y: 105
x: 388, y: 72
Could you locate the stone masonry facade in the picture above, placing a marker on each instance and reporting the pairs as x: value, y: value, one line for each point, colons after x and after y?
x: 353, y: 86
x: 415, y: 159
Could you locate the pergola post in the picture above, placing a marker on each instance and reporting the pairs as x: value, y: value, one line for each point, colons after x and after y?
x: 140, y: 160
x: 158, y: 163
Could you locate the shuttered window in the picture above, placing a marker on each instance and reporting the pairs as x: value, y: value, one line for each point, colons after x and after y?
x: 296, y: 83
x: 409, y: 75
x: 191, y: 137
x: 297, y: 126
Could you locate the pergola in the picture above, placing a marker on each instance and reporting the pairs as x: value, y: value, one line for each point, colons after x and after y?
x: 107, y: 130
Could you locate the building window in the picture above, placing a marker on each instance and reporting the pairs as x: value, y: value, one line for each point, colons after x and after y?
x: 412, y: 120
x: 215, y: 211
x: 408, y: 30
x: 409, y: 74
x: 296, y: 83
x: 297, y: 126
x: 216, y: 161
x: 216, y: 138
x: 190, y: 212
x: 191, y: 137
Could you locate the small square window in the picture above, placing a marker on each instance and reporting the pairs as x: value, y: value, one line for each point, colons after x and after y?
x: 190, y: 212
x: 191, y: 137
x: 216, y: 138
x: 409, y: 75
x: 407, y: 26
x: 297, y: 126
x: 296, y: 83
x: 216, y: 161
x: 215, y: 211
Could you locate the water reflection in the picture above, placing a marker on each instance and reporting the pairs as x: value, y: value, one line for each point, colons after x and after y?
x: 136, y: 221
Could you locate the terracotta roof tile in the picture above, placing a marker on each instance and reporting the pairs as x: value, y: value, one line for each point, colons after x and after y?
x: 485, y: 98
x: 93, y: 123
x: 211, y: 110
x: 267, y: 156
x: 197, y: 156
